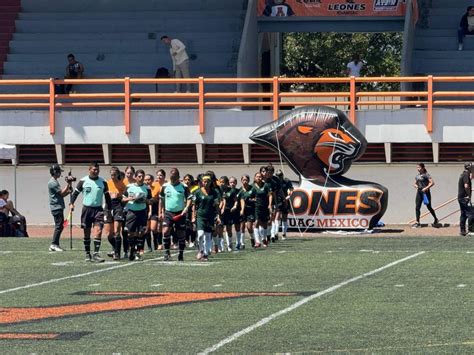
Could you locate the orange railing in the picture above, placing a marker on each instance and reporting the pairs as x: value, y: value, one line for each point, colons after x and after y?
x: 274, y: 97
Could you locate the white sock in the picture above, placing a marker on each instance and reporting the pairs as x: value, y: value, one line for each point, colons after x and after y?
x: 221, y: 243
x: 285, y: 227
x: 277, y: 226
x: 272, y: 230
x: 268, y: 231
x: 263, y: 233
x: 257, y: 235
x: 207, y: 243
x: 201, y: 240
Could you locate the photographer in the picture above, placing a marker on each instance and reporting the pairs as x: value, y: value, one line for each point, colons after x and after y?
x: 56, y: 196
x: 94, y: 189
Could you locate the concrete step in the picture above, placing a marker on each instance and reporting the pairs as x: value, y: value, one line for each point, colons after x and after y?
x: 86, y: 36
x: 445, y: 43
x: 166, y: 26
x: 443, y: 22
x: 454, y: 11
x: 443, y: 54
x: 128, y: 5
x: 118, y: 46
x: 424, y: 32
x: 461, y: 4
x: 131, y: 15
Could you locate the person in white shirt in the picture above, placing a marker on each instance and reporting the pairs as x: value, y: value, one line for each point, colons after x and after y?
x: 180, y: 60
x: 353, y: 69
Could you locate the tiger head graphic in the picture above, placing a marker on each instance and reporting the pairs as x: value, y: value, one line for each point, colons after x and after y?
x: 315, y: 141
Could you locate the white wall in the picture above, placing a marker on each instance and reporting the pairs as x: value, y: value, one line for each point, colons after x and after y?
x: 32, y: 199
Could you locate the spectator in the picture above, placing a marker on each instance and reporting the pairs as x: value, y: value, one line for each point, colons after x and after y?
x: 466, y: 26
x: 278, y: 8
x: 353, y: 68
x: 17, y: 220
x: 74, y: 70
x: 180, y: 60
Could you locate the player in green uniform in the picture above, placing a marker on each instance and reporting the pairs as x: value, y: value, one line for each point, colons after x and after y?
x: 229, y: 196
x: 263, y: 204
x: 206, y: 201
x: 236, y: 218
x: 283, y: 203
x: 247, y: 211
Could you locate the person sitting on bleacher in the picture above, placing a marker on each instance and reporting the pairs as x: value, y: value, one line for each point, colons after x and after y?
x: 466, y: 26
x: 74, y: 70
x: 16, y: 224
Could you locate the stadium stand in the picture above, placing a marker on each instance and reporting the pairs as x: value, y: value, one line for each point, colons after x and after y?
x: 8, y: 13
x: 113, y: 41
x: 435, y: 48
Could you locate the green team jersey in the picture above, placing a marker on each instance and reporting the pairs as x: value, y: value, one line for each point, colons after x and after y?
x: 229, y: 196
x: 286, y: 185
x: 174, y: 196
x: 143, y: 194
x: 246, y: 196
x: 261, y: 195
x: 92, y: 190
x: 206, y: 205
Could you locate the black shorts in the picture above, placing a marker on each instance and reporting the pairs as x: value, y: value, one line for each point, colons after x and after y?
x: 283, y: 206
x: 154, y: 212
x: 178, y: 224
x: 92, y: 216
x: 227, y: 218
x: 136, y: 221
x: 262, y: 214
x: 117, y: 214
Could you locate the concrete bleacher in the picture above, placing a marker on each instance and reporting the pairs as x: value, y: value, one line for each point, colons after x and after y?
x: 435, y: 49
x: 118, y: 38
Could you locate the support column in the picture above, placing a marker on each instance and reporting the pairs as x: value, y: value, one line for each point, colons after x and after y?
x: 59, y: 153
x: 107, y: 151
x: 200, y: 153
x: 388, y: 152
x: 435, y: 153
x: 246, y: 151
x: 153, y: 154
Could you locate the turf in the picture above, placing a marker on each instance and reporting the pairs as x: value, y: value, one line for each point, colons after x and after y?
x: 423, y: 305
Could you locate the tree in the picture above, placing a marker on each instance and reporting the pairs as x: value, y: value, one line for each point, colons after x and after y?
x: 303, y: 53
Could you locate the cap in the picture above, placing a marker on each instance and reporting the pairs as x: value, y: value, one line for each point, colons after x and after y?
x: 55, y: 168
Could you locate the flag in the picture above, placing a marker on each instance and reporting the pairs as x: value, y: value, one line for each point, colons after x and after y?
x: 68, y: 219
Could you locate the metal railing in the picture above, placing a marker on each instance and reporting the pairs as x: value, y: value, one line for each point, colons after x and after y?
x: 277, y: 91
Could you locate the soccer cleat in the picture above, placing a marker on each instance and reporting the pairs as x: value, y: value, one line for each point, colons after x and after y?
x: 116, y: 257
x: 88, y: 257
x: 257, y: 245
x: 273, y: 239
x: 283, y: 236
x: 216, y: 249
x: 460, y: 47
x: 199, y: 255
x: 131, y: 256
x: 191, y: 245
x: 125, y: 255
x: 167, y: 257
x: 237, y: 246
x: 416, y: 225
x: 204, y: 258
x: 470, y: 234
x: 54, y: 247
x: 138, y: 257
x: 180, y: 256
x: 111, y: 254
x: 229, y: 248
x: 276, y: 237
x: 462, y: 233
x: 96, y: 258
x: 160, y: 247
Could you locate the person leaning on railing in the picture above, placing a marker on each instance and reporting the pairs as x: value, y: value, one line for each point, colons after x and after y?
x: 464, y: 199
x: 74, y: 70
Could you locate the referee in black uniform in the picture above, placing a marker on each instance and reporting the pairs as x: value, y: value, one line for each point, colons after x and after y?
x: 464, y: 198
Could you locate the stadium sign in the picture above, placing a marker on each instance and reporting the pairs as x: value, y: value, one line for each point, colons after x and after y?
x: 319, y: 144
x: 305, y: 8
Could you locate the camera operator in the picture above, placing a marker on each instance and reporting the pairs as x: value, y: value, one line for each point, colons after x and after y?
x: 94, y: 189
x: 56, y: 196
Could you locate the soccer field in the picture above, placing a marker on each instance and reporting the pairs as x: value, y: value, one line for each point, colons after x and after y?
x: 351, y: 294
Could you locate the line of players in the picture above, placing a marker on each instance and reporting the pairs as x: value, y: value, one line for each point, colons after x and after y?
x: 173, y: 214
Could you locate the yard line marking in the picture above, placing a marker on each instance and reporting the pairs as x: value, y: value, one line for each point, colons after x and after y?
x: 63, y: 263
x: 93, y: 285
x: 461, y: 286
x: 278, y: 285
x: 47, y: 282
x: 300, y: 303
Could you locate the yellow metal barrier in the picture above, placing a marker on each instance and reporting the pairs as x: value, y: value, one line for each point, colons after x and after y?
x: 270, y: 96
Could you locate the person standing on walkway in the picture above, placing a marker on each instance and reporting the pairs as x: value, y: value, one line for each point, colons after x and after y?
x: 464, y: 199
x: 180, y: 60
x: 423, y: 183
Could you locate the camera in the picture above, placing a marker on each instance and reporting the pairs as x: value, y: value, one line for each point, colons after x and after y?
x: 69, y: 178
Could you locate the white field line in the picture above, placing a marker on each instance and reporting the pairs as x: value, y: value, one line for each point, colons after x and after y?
x: 301, y: 303
x: 47, y: 282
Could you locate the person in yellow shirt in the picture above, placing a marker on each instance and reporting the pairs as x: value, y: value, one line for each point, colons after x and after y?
x: 113, y: 222
x: 156, y: 224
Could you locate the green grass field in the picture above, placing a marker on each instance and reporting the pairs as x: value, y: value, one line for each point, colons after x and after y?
x: 355, y: 294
